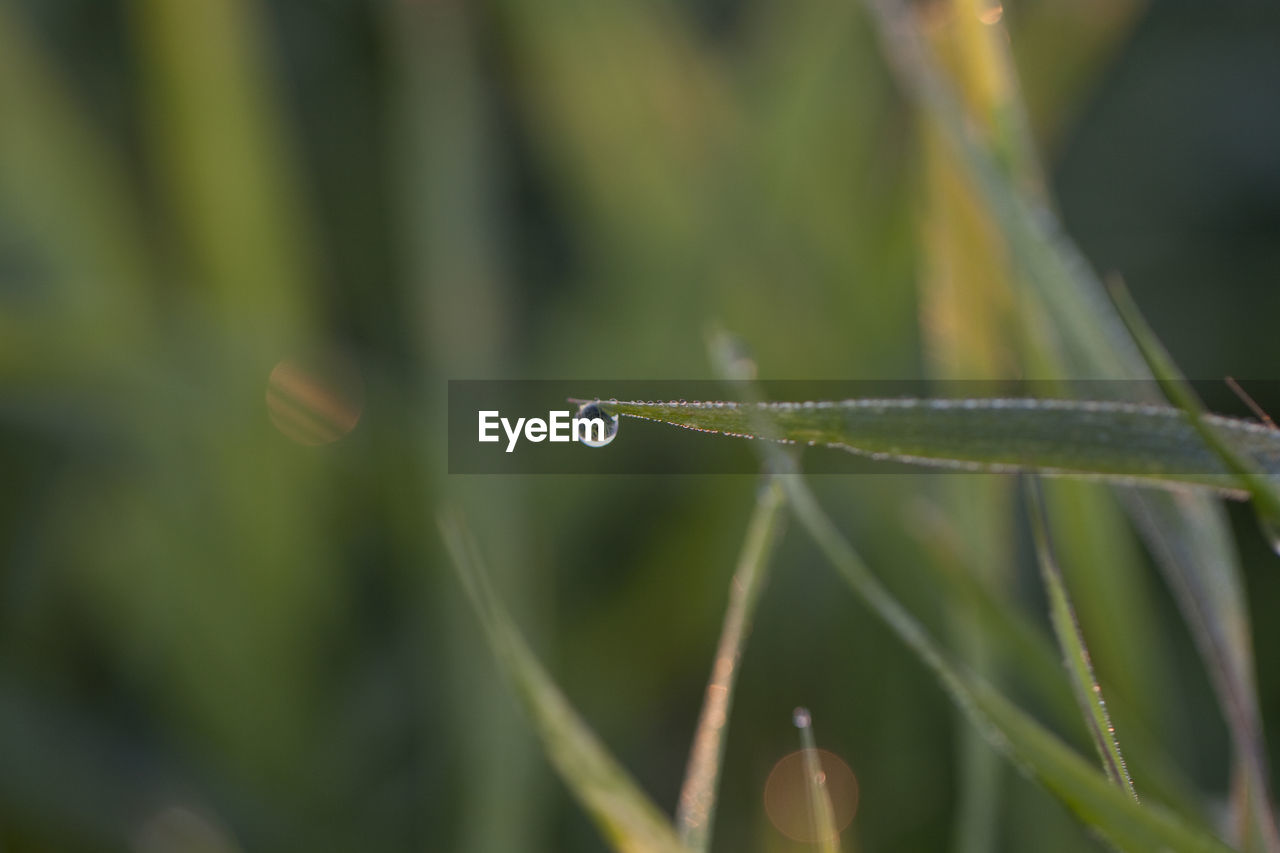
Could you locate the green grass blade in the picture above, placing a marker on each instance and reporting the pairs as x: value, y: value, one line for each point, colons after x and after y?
x: 1087, y: 792
x: 1030, y: 657
x: 696, y: 811
x: 1088, y: 331
x: 1088, y: 338
x: 821, y: 813
x: 1042, y: 756
x: 69, y: 192
x: 1260, y: 830
x: 1265, y: 497
x: 626, y: 817
x: 220, y: 139
x: 1122, y: 442
x: 1076, y: 654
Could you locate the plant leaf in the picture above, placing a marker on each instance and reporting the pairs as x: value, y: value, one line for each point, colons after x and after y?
x: 624, y: 814
x: 1123, y: 442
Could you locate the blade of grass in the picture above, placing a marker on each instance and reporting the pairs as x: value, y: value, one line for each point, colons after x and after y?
x: 1032, y: 659
x: 627, y: 818
x: 1115, y: 815
x: 1086, y: 791
x: 1254, y: 783
x: 1265, y: 497
x: 1089, y: 338
x: 965, y: 314
x: 821, y: 813
x: 1121, y: 442
x: 1088, y: 332
x: 696, y: 811
x: 971, y: 308
x: 60, y: 180
x: 221, y: 141
x: 1075, y: 652
x: 1103, y: 565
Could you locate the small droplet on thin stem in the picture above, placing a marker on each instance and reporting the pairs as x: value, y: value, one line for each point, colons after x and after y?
x: 801, y: 719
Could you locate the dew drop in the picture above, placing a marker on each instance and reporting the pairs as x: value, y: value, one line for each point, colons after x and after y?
x: 800, y: 718
x: 593, y: 434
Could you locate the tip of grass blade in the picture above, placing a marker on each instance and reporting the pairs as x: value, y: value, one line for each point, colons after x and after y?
x: 821, y: 812
x: 1079, y: 664
x: 1266, y: 497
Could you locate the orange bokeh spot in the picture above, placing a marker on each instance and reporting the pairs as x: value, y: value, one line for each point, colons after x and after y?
x: 786, y: 795
x: 315, y: 401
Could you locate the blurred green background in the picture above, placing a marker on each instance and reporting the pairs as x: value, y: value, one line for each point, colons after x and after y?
x: 243, y: 245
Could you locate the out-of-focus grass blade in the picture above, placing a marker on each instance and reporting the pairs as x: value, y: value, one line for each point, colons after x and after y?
x: 1075, y: 652
x: 624, y: 814
x: 1131, y: 443
x: 696, y: 811
x: 1086, y: 330
x: 1087, y: 792
x: 222, y: 144
x: 815, y: 780
x: 68, y: 192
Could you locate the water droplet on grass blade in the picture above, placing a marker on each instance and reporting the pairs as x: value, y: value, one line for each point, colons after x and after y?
x: 800, y: 718
x: 600, y: 427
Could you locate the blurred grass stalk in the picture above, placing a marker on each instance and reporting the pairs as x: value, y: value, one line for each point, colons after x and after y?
x: 459, y: 298
x: 627, y: 818
x: 965, y: 308
x: 234, y: 194
x: 696, y: 813
x: 81, y: 214
x: 179, y: 396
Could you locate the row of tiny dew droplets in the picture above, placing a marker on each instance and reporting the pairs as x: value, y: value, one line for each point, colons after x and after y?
x: 597, y: 409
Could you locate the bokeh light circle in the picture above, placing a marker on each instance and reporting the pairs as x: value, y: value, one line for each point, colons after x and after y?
x: 786, y: 795
x: 315, y: 400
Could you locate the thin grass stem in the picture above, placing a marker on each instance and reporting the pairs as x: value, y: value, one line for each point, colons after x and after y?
x: 696, y: 811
